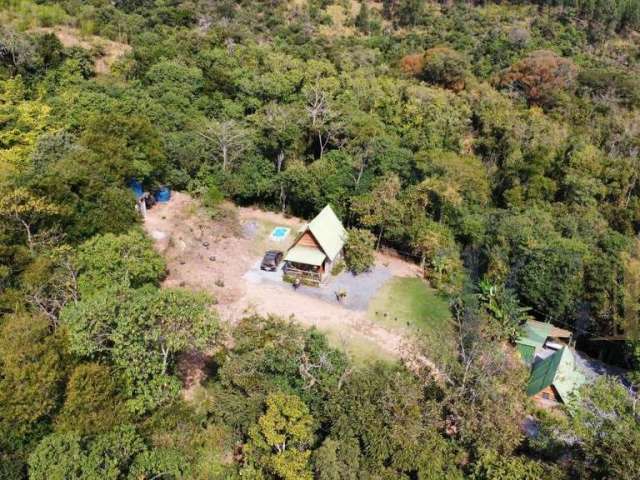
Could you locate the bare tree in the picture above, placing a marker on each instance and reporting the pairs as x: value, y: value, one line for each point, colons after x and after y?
x: 322, y: 117
x: 56, y: 286
x: 231, y: 138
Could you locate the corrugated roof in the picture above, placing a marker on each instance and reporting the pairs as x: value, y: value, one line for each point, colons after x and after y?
x: 536, y: 333
x: 552, y: 330
x: 558, y: 370
x: 328, y: 231
x: 306, y: 255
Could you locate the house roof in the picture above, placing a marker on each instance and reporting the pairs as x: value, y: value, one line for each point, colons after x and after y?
x: 552, y: 330
x: 558, y: 370
x: 535, y: 333
x: 328, y: 231
x: 306, y: 255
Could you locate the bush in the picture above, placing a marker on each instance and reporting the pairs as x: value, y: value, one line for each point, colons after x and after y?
x: 337, y: 268
x: 212, y: 197
x: 358, y: 251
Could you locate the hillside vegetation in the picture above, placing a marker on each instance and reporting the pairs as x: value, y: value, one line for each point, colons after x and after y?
x: 497, y: 144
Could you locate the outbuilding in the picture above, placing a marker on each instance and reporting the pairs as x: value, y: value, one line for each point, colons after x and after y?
x: 537, y: 336
x: 556, y: 378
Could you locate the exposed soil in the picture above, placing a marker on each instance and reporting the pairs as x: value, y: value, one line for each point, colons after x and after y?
x: 215, y: 254
x: 107, y: 51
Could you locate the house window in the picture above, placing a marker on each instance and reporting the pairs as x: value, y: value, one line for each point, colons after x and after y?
x: 545, y: 395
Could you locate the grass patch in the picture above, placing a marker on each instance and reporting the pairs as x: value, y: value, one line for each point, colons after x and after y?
x: 360, y: 350
x: 410, y: 305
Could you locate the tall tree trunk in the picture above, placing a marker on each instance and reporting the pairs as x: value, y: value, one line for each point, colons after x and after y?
x: 379, y: 238
x: 225, y: 157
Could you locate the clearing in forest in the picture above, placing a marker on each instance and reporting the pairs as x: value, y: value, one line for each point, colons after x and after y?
x: 219, y: 252
x: 409, y: 304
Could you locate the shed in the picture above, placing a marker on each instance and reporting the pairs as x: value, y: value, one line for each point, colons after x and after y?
x: 534, y: 336
x: 316, y: 247
x: 556, y: 377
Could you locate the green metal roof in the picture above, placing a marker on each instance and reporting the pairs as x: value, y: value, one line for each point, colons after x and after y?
x: 558, y: 370
x: 328, y: 231
x: 534, y: 334
x: 306, y: 255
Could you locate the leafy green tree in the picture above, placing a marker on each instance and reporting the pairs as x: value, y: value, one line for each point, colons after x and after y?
x: 505, y: 313
x: 446, y: 67
x: 409, y: 12
x: 127, y: 260
x: 57, y: 457
x: 131, y: 144
x: 492, y: 465
x: 362, y: 18
x: 359, y: 250
x: 337, y: 460
x: 279, y: 442
x: 537, y: 278
x: 380, y: 208
x: 158, y: 463
x: 32, y: 374
x: 30, y: 214
x: 68, y: 456
x: 141, y: 331
x: 92, y: 402
x: 608, y: 431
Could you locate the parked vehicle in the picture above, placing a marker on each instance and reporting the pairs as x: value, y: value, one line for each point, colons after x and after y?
x: 271, y: 260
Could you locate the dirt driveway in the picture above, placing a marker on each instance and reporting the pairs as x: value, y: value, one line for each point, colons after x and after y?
x: 218, y: 255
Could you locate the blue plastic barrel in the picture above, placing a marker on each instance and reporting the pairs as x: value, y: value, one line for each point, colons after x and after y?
x: 163, y: 195
x: 136, y: 187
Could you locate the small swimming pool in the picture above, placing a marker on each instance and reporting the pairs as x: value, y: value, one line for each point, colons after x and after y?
x: 280, y: 233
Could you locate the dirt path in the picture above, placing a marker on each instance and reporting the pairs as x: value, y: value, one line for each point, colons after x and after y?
x: 214, y: 254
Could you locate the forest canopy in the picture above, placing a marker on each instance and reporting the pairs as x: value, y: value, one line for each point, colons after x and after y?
x: 495, y: 144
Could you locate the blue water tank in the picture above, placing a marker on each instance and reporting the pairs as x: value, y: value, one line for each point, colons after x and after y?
x: 163, y: 195
x: 136, y: 187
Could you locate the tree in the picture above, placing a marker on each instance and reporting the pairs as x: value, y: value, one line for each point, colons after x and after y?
x: 51, y: 281
x: 127, y: 260
x: 493, y: 466
x: 539, y: 76
x: 605, y: 424
x: 446, y: 67
x: 323, y: 118
x: 231, y: 139
x: 131, y: 144
x: 29, y: 213
x: 141, y: 332
x: 409, y: 12
x: 359, y: 250
x: 337, y: 460
x: 33, y: 369
x: 362, y: 18
x: 92, y: 402
x: 380, y: 208
x: 69, y: 456
x: 505, y: 313
x: 280, y: 440
x: 537, y: 278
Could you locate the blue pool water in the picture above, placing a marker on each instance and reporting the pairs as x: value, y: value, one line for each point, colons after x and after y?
x: 279, y: 233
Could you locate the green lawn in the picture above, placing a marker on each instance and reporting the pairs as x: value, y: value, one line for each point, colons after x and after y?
x: 411, y: 305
